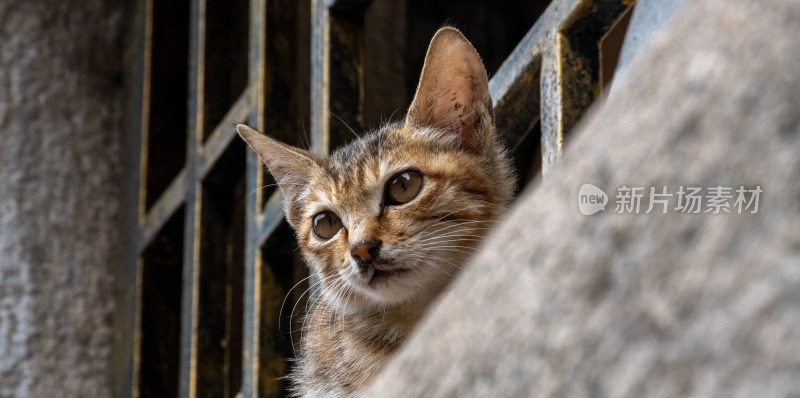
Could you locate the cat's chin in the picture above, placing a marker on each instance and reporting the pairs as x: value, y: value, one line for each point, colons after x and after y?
x: 386, y: 287
x: 386, y: 277
x: 380, y: 288
x: 395, y: 287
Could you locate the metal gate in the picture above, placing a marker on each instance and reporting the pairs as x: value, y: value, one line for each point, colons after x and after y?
x: 213, y: 258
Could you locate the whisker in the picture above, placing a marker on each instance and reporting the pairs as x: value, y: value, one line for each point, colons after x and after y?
x: 451, y: 234
x: 291, y: 316
x: 337, y: 299
x: 443, y: 216
x: 465, y: 227
x: 448, y: 246
x: 280, y: 312
x: 449, y: 274
x: 305, y: 138
x: 271, y: 185
x: 455, y: 224
x: 346, y: 125
x: 310, y: 314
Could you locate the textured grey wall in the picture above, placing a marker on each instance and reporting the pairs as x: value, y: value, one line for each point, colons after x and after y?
x: 675, y: 305
x: 61, y: 103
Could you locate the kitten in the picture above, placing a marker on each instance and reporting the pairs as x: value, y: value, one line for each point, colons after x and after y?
x: 387, y: 221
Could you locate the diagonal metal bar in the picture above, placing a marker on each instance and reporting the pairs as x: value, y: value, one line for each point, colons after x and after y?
x: 544, y: 50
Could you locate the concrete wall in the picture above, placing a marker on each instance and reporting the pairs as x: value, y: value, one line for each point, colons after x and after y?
x: 61, y: 103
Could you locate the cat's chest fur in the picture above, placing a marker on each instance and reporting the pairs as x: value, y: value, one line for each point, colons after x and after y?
x: 386, y: 222
x: 341, y: 354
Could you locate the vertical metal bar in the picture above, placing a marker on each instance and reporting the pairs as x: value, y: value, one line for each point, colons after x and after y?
x: 551, y: 111
x: 320, y: 64
x: 137, y: 335
x: 252, y: 308
x: 579, y: 55
x: 252, y: 293
x: 145, y: 126
x: 337, y: 72
x: 145, y: 119
x: 189, y: 302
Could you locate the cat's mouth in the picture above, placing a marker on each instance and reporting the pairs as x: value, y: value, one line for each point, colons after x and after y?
x: 386, y: 276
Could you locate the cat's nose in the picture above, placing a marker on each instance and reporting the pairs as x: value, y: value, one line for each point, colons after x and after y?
x: 364, y: 251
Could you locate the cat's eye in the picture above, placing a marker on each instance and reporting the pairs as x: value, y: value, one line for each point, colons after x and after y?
x: 403, y: 187
x: 325, y: 225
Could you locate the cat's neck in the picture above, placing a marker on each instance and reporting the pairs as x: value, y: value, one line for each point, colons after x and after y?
x: 343, y: 352
x: 371, y: 333
x: 396, y: 320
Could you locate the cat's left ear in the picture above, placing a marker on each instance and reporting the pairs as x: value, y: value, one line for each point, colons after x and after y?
x: 291, y: 167
x: 453, y: 91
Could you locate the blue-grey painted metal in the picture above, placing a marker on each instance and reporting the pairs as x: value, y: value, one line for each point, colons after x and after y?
x: 648, y: 18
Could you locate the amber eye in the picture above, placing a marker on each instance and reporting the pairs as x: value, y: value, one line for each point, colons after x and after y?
x: 325, y: 225
x: 403, y: 187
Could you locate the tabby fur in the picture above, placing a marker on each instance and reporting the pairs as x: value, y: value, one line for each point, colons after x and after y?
x: 358, y: 319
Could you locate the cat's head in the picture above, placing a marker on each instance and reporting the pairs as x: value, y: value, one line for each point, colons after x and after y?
x: 392, y: 217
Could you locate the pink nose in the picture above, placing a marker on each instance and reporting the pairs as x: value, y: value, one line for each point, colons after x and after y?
x: 365, y: 250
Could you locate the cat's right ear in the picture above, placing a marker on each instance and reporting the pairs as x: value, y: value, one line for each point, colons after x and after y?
x: 453, y: 92
x: 291, y: 167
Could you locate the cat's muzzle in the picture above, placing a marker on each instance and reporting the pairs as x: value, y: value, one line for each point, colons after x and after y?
x: 364, y: 253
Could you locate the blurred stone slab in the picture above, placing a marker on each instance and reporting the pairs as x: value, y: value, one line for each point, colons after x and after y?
x: 61, y: 111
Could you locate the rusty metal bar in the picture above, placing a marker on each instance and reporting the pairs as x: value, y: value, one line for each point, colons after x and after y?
x: 278, y: 103
x: 579, y: 53
x: 164, y: 208
x: 191, y: 272
x: 562, y: 41
x: 337, y: 73
x: 254, y: 176
x: 222, y: 136
x: 163, y: 179
x: 217, y: 212
x: 320, y: 90
x: 272, y: 216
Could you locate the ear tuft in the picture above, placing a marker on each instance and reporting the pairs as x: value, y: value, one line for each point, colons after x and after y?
x: 453, y: 91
